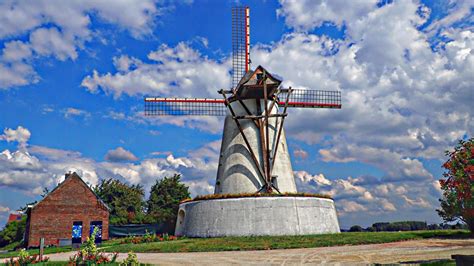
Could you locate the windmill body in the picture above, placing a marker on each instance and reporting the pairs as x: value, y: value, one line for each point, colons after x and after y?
x: 254, y: 157
x: 237, y: 172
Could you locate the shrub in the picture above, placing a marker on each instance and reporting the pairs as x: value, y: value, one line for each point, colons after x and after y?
x: 356, y: 228
x: 131, y: 260
x: 13, y: 232
x: 90, y: 255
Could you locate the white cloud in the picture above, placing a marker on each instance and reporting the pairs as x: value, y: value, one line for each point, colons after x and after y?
x: 351, y: 206
x: 31, y: 169
x: 75, y: 112
x: 49, y: 41
x: 368, y: 199
x: 394, y: 165
x: 300, y: 154
x: 119, y: 155
x: 308, y: 14
x: 61, y: 29
x: 305, y: 177
x: 4, y: 209
x: 16, y: 51
x: 52, y: 153
x: 173, y: 71
x: 20, y: 135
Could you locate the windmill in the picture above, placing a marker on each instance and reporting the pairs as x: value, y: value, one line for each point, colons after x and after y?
x: 254, y: 156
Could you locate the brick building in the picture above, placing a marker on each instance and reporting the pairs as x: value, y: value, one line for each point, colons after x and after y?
x: 67, y: 215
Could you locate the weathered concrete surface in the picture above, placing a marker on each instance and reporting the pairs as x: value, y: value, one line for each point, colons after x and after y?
x: 257, y: 216
x: 237, y: 172
x: 407, y: 251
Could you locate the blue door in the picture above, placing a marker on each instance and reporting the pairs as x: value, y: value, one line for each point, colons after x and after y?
x: 77, y: 232
x: 98, y: 235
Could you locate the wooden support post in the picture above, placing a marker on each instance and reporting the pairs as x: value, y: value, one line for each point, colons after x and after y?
x: 280, y: 128
x: 255, y: 117
x: 41, y: 249
x: 267, y: 135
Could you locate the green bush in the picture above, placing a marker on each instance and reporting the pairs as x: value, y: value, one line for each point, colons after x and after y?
x: 131, y: 260
x: 13, y: 232
x: 356, y: 228
x: 24, y: 258
x: 89, y: 255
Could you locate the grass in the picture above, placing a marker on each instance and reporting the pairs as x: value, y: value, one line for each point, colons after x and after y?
x: 51, y: 250
x: 262, y: 242
x: 48, y: 250
x: 279, y: 242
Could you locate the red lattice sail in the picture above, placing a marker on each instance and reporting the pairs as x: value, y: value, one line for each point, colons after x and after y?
x: 216, y: 107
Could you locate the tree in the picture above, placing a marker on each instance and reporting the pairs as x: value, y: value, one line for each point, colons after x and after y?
x: 126, y: 202
x: 13, y: 232
x: 165, y: 196
x: 458, y: 185
x: 356, y: 228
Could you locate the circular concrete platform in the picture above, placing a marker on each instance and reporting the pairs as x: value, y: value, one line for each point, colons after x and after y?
x: 254, y: 216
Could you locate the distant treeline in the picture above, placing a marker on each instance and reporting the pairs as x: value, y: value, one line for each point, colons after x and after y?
x: 405, y: 226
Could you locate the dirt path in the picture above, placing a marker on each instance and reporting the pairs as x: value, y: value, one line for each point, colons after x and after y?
x: 416, y: 250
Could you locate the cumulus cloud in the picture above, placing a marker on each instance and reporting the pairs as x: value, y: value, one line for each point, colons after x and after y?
x: 365, y: 200
x: 31, y: 169
x: 61, y: 29
x: 120, y: 155
x: 308, y: 14
x: 300, y: 154
x: 20, y: 135
x: 4, y: 209
x: 318, y: 180
x: 178, y: 71
x: 394, y: 165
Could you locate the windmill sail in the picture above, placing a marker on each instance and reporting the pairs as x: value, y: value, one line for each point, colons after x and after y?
x: 310, y: 98
x: 240, y: 43
x: 184, y: 106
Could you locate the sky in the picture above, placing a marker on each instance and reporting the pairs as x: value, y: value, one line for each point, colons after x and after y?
x: 73, y: 75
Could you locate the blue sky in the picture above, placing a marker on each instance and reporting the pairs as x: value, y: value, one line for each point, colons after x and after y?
x: 73, y: 76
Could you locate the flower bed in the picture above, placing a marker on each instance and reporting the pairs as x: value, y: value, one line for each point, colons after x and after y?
x: 24, y: 258
x: 255, y: 195
x: 147, y: 238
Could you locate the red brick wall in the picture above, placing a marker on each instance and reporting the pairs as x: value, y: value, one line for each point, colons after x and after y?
x: 53, y: 217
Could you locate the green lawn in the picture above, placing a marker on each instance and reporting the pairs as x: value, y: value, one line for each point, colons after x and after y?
x: 50, y: 250
x: 262, y: 242
x: 280, y: 242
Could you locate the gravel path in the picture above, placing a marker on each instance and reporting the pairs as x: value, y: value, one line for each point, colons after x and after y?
x: 415, y: 250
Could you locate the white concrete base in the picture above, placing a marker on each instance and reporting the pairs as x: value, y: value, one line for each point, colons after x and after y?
x: 257, y: 216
